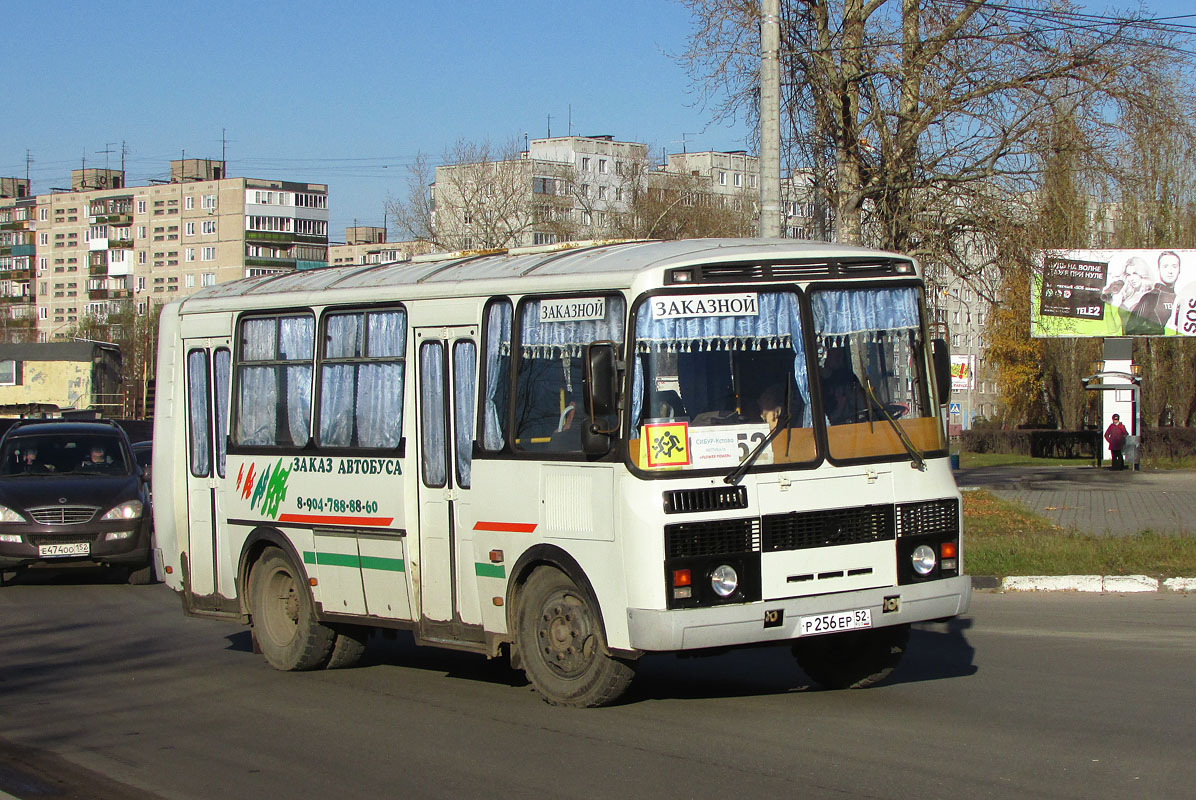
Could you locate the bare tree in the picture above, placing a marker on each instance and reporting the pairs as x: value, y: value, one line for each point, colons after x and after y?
x: 922, y: 117
x: 481, y: 197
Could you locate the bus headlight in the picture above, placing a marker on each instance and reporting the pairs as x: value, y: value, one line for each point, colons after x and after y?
x: 724, y: 580
x: 923, y: 559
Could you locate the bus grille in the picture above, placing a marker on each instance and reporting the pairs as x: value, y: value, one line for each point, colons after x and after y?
x: 929, y: 517
x: 62, y: 515
x: 716, y: 537
x: 716, y: 498
x: 827, y: 528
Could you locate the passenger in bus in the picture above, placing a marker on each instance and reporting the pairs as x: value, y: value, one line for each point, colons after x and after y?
x: 771, y: 403
x: 842, y: 395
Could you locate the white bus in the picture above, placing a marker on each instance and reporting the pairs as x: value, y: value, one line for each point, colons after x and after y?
x: 574, y: 456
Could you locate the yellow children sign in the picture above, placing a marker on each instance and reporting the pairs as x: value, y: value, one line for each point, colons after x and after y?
x: 667, y: 444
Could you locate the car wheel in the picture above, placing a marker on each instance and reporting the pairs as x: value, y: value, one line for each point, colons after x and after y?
x: 142, y: 576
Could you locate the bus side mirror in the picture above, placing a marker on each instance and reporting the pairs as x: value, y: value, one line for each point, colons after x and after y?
x: 600, y: 383
x: 942, y: 370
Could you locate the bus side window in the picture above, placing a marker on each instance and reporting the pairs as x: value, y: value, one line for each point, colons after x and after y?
x: 549, y: 402
x: 496, y: 375
x: 274, y: 376
x: 361, y: 379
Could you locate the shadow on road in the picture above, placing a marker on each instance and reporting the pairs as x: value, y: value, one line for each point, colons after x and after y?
x: 937, y: 651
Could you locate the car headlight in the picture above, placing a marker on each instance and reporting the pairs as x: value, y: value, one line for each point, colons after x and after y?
x: 129, y: 510
x: 724, y: 580
x: 923, y: 559
x: 8, y: 515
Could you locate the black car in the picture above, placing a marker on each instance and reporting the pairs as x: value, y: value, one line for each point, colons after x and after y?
x: 73, y: 492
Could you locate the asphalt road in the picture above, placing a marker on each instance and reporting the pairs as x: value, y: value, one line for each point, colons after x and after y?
x: 108, y: 691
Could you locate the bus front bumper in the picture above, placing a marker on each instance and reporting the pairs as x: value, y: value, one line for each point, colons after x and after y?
x: 653, y: 630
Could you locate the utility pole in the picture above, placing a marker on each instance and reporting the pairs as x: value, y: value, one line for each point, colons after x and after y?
x: 770, y: 119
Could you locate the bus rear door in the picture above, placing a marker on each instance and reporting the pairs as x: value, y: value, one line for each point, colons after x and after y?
x: 207, y: 368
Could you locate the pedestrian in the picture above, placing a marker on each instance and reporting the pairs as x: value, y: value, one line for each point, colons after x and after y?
x: 1115, y: 435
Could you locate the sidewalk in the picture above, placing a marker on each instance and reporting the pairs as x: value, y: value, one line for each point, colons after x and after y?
x: 1098, y: 502
x: 1093, y: 500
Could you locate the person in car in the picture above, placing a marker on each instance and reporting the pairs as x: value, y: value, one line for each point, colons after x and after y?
x: 97, y: 459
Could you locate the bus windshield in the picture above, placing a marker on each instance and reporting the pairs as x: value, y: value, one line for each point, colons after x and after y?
x: 714, y: 374
x: 872, y: 372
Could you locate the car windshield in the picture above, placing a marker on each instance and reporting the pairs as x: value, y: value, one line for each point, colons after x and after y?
x: 63, y: 454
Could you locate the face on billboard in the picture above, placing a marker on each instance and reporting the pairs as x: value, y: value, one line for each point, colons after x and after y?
x: 1100, y: 293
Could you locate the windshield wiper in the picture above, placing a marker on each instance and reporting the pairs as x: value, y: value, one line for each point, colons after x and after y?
x: 914, y: 452
x: 736, y: 475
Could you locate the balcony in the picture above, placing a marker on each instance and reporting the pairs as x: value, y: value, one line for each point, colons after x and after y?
x: 281, y: 263
x: 125, y: 218
x: 269, y: 236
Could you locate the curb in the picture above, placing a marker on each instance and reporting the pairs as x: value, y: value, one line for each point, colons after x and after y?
x: 1083, y: 583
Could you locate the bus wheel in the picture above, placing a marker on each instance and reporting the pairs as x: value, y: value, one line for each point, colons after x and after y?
x: 852, y: 660
x: 348, y: 647
x: 561, y: 647
x: 283, y: 623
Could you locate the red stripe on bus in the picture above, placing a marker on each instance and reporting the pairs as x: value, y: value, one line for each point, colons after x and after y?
x: 320, y: 519
x: 505, y: 527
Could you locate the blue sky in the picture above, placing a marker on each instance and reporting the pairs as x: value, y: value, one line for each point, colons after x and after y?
x: 346, y: 97
x: 345, y: 94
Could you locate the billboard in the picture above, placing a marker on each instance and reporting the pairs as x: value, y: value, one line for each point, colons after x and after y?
x: 1114, y: 293
x: 963, y: 373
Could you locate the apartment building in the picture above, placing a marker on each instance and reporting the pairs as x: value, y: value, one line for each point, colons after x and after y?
x: 369, y: 245
x: 101, y: 243
x: 17, y: 213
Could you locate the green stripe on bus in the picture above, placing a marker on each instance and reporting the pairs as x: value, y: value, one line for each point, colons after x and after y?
x: 384, y: 564
x: 365, y: 562
x: 485, y: 570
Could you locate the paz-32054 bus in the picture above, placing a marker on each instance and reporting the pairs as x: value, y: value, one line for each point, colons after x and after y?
x: 574, y: 455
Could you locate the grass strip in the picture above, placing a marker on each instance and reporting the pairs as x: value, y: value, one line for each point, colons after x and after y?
x: 1002, y: 538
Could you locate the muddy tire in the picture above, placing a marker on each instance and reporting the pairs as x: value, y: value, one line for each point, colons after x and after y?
x: 852, y: 660
x: 284, y: 624
x: 561, y: 647
x: 348, y: 647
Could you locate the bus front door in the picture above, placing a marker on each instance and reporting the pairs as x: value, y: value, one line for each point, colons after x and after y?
x: 447, y: 369
x: 208, y: 363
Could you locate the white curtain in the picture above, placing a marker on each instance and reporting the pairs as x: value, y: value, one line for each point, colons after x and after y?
x: 464, y: 365
x: 197, y: 400
x: 498, y: 351
x: 432, y: 402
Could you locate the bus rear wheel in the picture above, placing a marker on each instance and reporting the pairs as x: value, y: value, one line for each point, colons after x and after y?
x: 284, y: 624
x: 561, y: 647
x: 852, y: 660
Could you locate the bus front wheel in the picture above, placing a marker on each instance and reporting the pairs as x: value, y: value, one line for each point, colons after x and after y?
x: 283, y: 623
x: 852, y: 660
x: 560, y: 644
